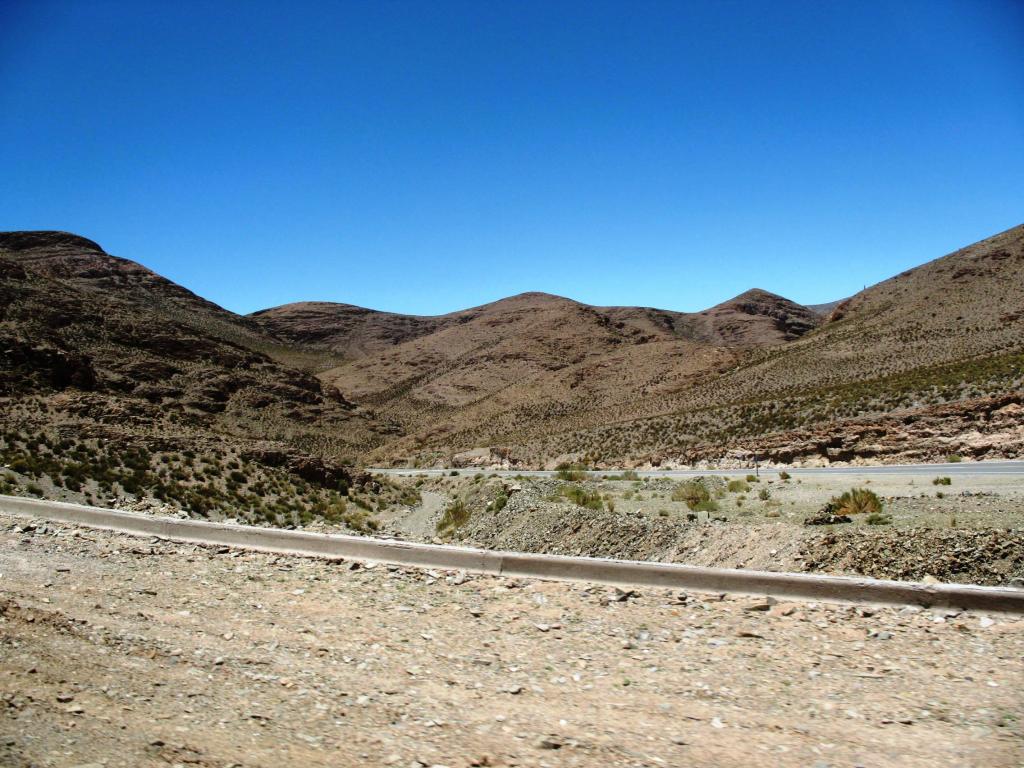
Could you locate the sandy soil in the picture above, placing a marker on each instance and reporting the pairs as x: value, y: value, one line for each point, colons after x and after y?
x: 121, y: 651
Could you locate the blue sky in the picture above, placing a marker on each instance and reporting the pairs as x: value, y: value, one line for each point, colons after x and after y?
x: 425, y: 157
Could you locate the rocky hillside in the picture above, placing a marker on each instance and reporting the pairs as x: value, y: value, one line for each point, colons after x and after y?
x: 532, y: 361
x: 108, y: 369
x: 343, y: 329
x: 922, y: 365
x: 537, y: 379
x: 941, y: 345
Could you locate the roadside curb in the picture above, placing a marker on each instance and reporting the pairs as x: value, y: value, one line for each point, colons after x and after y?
x: 553, y: 567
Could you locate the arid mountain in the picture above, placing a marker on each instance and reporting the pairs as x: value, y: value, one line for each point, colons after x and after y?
x: 346, y: 330
x: 72, y: 312
x: 456, y: 359
x: 949, y: 333
x: 110, y: 372
x: 753, y: 318
x: 536, y: 378
x: 927, y: 363
x: 532, y: 363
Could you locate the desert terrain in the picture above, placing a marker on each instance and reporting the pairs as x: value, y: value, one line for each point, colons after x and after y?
x: 121, y: 651
x: 967, y: 530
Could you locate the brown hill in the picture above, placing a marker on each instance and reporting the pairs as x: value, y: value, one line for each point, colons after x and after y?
x: 531, y: 346
x: 528, y: 379
x: 536, y: 377
x: 532, y: 362
x: 344, y: 329
x: 115, y: 363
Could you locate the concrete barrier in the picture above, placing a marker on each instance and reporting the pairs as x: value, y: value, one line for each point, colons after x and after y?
x: 586, y: 569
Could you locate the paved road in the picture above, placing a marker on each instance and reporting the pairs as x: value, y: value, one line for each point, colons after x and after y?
x: 1013, y: 468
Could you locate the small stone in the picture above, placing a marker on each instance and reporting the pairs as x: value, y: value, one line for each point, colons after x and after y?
x: 716, y: 723
x: 551, y: 742
x: 762, y: 605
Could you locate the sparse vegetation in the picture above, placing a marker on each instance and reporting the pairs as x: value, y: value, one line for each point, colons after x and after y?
x: 500, y: 500
x: 582, y: 497
x: 455, y: 515
x: 571, y: 472
x: 857, y: 501
x: 693, y: 493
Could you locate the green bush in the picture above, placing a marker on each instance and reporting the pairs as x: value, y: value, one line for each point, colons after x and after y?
x: 954, y: 458
x: 857, y: 501
x: 500, y: 501
x: 877, y: 518
x: 764, y: 494
x: 738, y: 486
x: 942, y: 481
x: 692, y: 492
x: 455, y: 515
x: 581, y: 497
x: 571, y: 473
x: 753, y: 479
x: 784, y: 475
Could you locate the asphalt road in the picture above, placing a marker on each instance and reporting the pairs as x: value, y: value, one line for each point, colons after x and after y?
x: 1012, y: 468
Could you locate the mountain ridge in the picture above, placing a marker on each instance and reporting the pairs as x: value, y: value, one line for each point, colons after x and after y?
x: 533, y: 376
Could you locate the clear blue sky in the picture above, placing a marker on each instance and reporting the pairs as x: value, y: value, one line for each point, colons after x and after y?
x: 428, y: 156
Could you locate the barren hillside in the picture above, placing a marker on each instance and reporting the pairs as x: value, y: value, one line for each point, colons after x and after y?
x: 536, y: 378
x: 921, y: 365
x: 117, y: 383
x: 532, y: 361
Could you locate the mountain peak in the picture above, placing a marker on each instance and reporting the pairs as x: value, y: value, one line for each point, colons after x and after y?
x: 30, y: 240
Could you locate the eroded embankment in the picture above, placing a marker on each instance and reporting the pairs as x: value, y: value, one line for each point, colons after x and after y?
x: 531, y: 522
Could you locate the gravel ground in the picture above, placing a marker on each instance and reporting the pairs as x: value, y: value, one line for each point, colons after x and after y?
x: 121, y: 651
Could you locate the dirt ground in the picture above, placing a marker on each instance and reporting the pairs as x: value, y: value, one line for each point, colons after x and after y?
x: 121, y: 651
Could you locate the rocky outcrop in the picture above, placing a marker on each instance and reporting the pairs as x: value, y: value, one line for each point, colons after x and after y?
x: 980, y: 428
x: 146, y: 354
x: 27, y: 366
